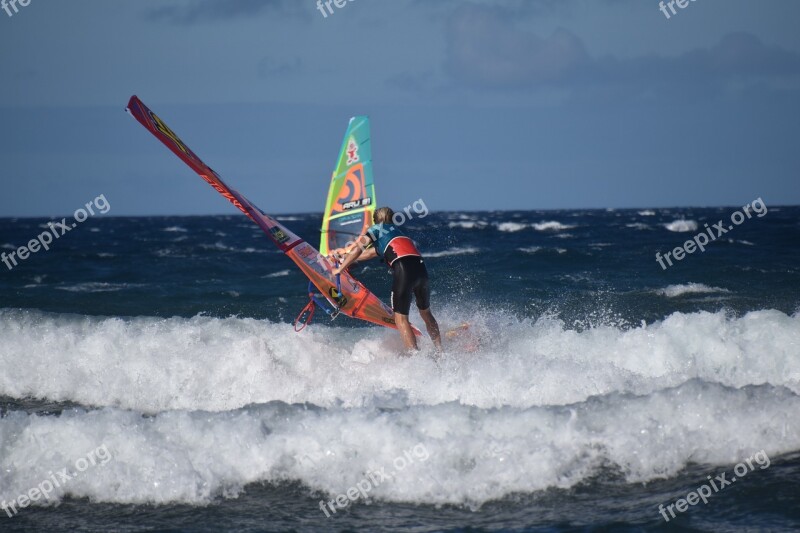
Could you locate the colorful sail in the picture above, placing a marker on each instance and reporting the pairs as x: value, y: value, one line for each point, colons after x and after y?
x: 356, y: 300
x: 351, y: 196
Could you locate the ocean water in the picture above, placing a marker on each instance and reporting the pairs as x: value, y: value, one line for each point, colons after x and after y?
x: 155, y: 360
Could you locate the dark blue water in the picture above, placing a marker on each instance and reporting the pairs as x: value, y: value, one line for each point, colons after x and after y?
x: 602, y: 385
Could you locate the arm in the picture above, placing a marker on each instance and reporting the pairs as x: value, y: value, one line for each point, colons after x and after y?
x: 338, y: 253
x: 369, y: 253
x: 342, y: 251
x: 358, y: 252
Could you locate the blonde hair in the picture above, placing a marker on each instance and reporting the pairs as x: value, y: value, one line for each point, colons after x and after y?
x: 382, y: 215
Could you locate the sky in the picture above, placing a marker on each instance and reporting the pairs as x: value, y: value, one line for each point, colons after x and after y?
x: 474, y: 104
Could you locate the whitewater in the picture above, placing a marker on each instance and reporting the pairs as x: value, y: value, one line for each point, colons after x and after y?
x: 212, y: 405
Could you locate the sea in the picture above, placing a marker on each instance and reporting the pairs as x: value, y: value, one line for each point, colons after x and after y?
x: 152, y: 380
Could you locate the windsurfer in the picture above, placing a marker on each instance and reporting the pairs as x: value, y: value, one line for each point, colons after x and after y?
x: 385, y: 240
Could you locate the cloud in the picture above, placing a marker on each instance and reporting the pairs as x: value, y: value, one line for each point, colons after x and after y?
x: 201, y: 11
x: 485, y: 50
x: 531, y: 7
x: 413, y: 82
x: 269, y: 67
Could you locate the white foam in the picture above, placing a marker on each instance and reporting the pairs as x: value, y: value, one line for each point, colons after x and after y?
x: 537, y: 249
x: 681, y: 225
x: 454, y: 251
x: 538, y: 406
x: 449, y: 453
x: 175, y: 229
x: 467, y: 224
x: 167, y: 252
x: 98, y: 286
x: 673, y: 291
x: 638, y: 225
x: 647, y: 213
x: 152, y: 364
x: 551, y: 225
x: 530, y: 249
x: 278, y: 274
x: 222, y: 247
x: 511, y: 226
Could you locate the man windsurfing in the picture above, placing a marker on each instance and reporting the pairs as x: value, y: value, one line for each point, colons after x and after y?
x: 409, y: 276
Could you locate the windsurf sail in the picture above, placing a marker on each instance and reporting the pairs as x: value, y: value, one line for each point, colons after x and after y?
x: 351, y: 195
x: 315, y: 300
x: 355, y: 300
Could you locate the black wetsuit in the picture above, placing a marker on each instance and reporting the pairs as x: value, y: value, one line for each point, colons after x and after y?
x: 408, y: 269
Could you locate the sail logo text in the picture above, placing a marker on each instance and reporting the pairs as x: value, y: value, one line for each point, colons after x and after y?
x: 356, y: 203
x: 163, y: 128
x: 352, y: 152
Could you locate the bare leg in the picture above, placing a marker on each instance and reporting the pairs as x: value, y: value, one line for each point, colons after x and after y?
x: 432, y: 327
x: 406, y: 332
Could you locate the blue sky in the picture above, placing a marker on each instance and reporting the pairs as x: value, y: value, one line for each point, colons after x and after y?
x: 537, y: 104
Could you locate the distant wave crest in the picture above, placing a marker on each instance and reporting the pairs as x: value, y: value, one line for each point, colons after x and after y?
x: 681, y: 225
x: 454, y: 251
x: 673, y: 291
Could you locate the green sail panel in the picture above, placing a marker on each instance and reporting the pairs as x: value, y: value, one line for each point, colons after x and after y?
x: 351, y: 195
